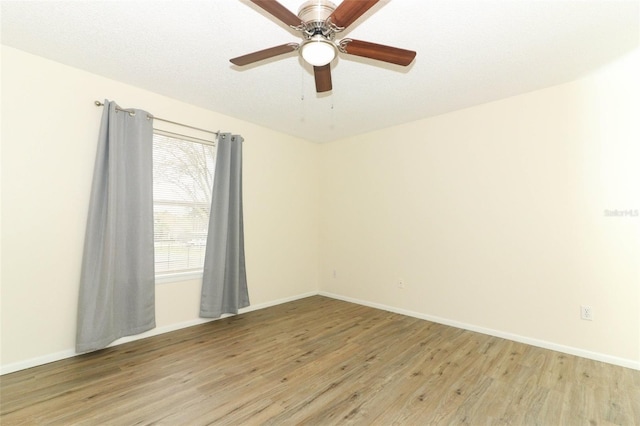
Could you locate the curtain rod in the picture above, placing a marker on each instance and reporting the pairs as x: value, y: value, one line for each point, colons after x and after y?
x: 99, y: 104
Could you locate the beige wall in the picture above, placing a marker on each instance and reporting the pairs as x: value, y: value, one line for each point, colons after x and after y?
x: 493, y: 216
x: 49, y: 136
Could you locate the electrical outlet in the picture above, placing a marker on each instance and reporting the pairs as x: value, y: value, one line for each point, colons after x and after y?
x: 586, y: 312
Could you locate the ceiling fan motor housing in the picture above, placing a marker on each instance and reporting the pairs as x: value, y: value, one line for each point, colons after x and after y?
x: 318, y: 48
x: 316, y: 11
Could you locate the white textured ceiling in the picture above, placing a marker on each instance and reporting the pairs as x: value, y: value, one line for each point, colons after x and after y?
x: 469, y: 52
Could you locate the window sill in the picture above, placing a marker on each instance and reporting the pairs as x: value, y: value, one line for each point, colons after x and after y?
x: 180, y: 276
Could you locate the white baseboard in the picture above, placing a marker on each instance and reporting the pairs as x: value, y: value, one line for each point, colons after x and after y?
x: 278, y: 302
x: 34, y: 362
x: 628, y: 363
x: 46, y: 359
x: 623, y: 362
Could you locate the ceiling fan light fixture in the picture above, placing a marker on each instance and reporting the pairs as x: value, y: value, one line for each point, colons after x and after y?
x: 318, y: 51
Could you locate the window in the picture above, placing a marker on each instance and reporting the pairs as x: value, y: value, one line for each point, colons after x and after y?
x: 182, y: 186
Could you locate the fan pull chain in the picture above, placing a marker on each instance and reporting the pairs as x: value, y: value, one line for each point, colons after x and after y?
x: 302, y: 84
x: 333, y: 116
x: 302, y: 103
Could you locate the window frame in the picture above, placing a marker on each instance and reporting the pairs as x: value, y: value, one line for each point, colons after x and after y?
x: 186, y: 275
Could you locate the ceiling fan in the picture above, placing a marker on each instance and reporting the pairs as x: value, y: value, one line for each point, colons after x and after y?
x: 319, y: 21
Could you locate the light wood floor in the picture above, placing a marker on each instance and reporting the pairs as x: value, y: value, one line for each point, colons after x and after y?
x: 322, y: 361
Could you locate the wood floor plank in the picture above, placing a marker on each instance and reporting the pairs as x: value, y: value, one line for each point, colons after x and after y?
x: 320, y: 361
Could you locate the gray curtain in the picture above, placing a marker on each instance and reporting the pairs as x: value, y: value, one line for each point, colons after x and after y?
x: 224, y: 281
x: 117, y: 282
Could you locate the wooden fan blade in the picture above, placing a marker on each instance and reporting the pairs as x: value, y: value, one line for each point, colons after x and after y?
x: 379, y: 52
x: 279, y: 11
x: 350, y: 10
x: 323, y: 78
x: 264, y: 54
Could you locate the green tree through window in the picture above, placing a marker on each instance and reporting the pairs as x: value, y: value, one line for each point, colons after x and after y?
x: 182, y: 186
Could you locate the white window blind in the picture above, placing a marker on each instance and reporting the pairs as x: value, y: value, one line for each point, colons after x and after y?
x: 182, y: 186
